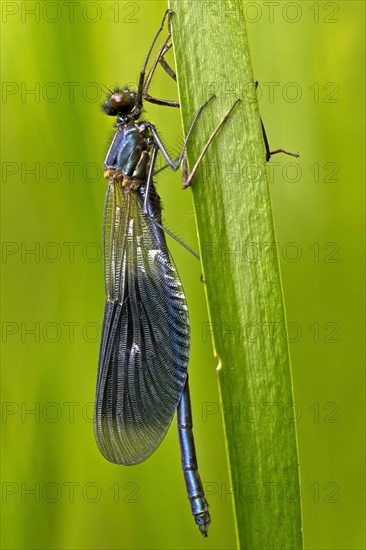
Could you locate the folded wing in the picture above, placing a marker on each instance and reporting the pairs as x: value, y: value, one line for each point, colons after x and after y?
x: 144, y: 351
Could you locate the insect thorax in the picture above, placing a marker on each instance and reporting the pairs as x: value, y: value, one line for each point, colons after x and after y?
x: 129, y: 158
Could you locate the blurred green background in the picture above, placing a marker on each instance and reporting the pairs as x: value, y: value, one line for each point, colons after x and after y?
x: 57, y: 490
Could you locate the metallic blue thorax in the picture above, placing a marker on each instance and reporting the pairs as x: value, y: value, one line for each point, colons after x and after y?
x: 130, y: 150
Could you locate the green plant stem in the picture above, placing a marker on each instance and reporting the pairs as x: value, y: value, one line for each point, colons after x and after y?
x: 241, y: 273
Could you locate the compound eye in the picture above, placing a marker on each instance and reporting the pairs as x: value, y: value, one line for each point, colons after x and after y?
x: 122, y: 101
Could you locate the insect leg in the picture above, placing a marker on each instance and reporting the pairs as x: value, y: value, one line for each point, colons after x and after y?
x: 148, y: 212
x: 164, y: 167
x: 167, y: 68
x: 188, y: 177
x: 168, y: 14
x: 174, y: 165
x: 150, y: 174
x: 269, y: 153
x: 160, y: 59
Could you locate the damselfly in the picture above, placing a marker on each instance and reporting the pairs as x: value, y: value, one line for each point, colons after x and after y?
x: 144, y: 352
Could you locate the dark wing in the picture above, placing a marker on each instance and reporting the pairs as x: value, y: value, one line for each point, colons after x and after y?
x: 144, y: 349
